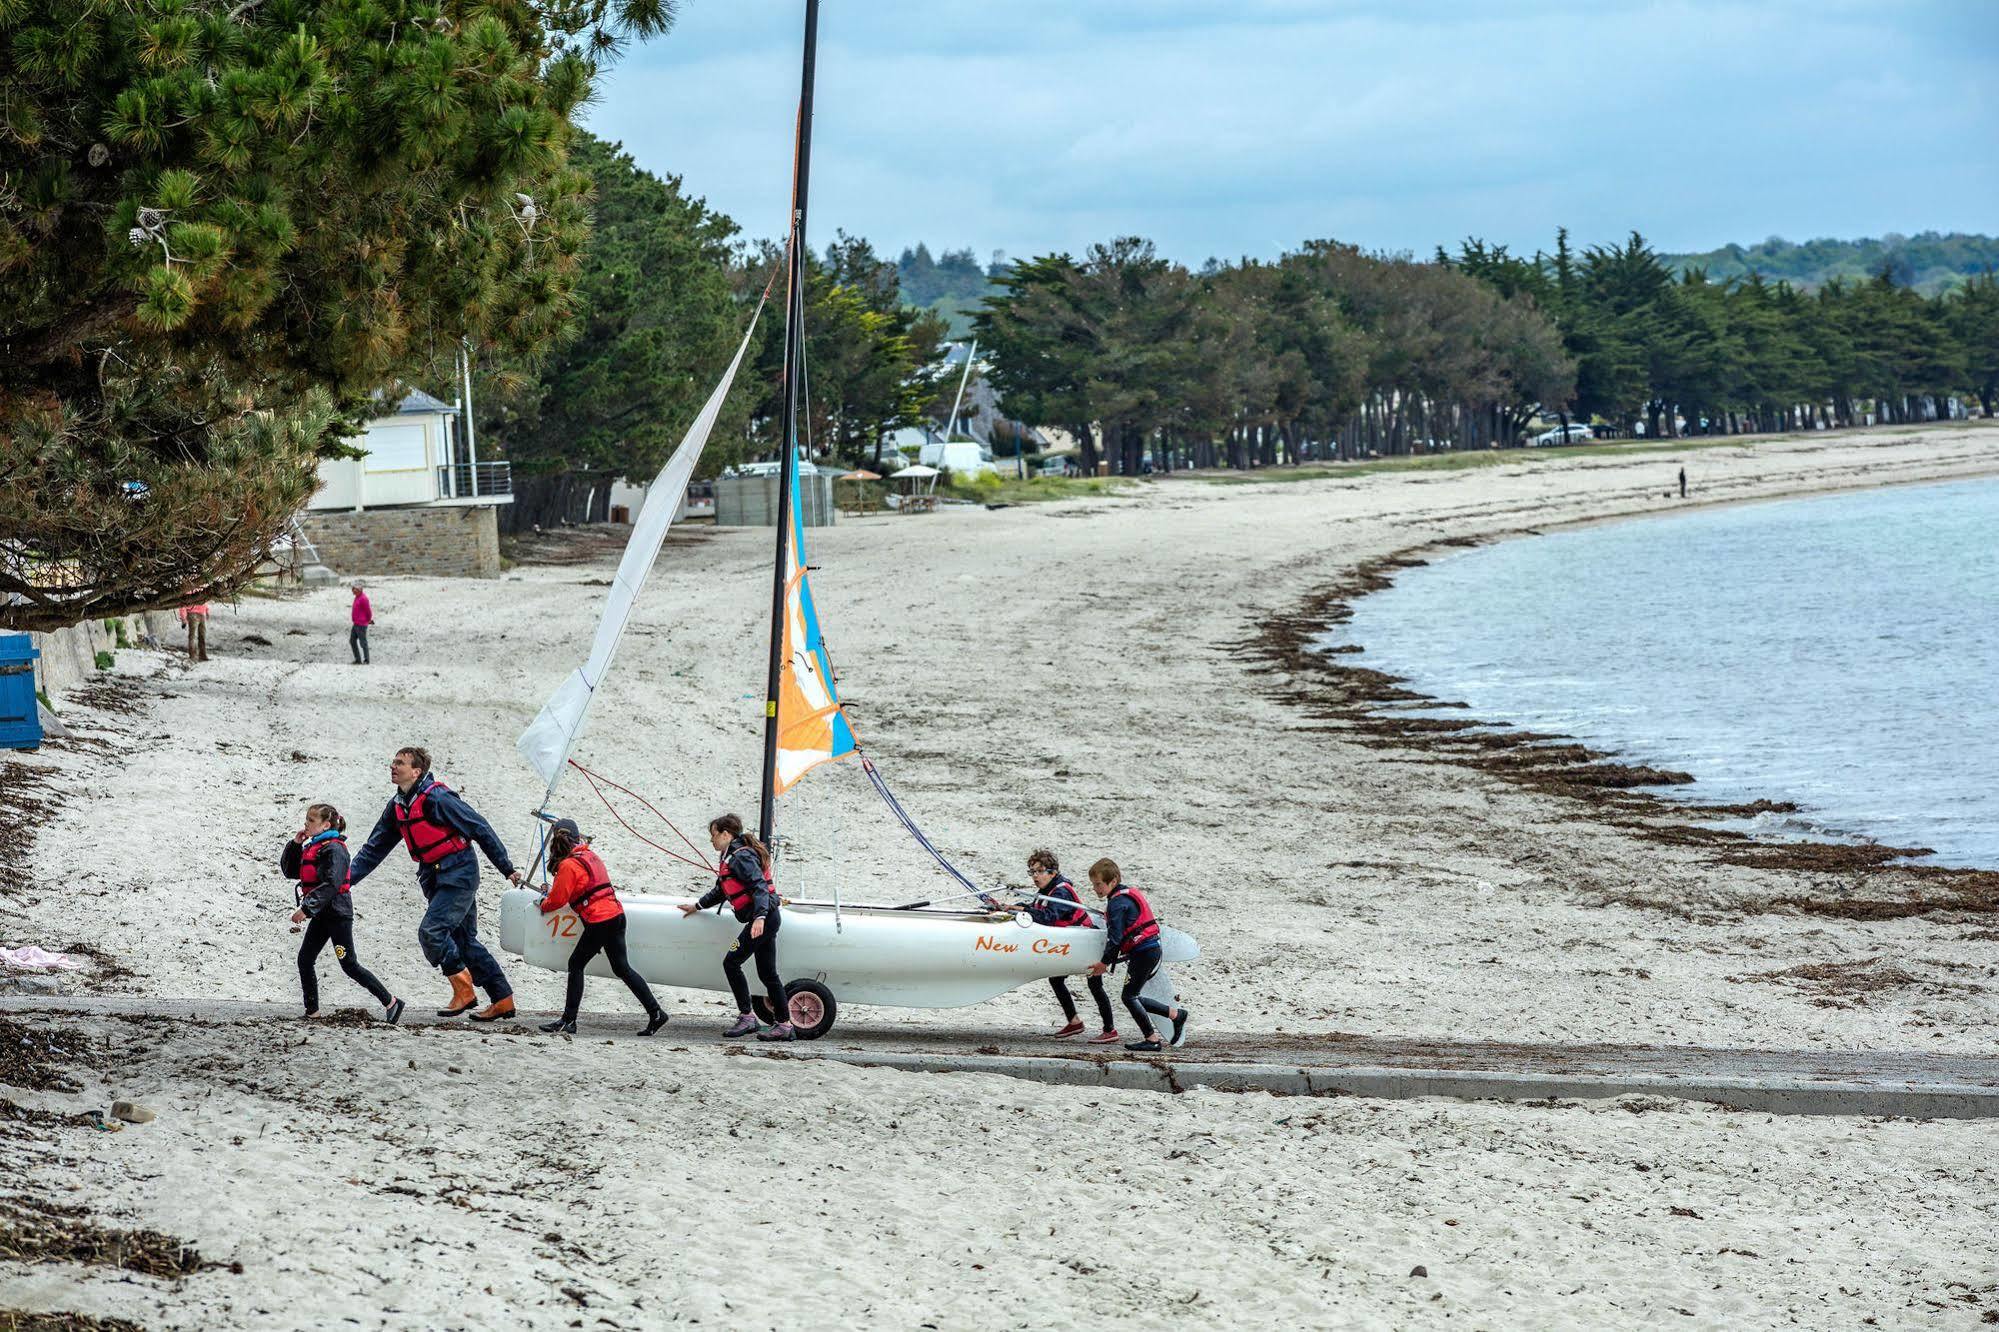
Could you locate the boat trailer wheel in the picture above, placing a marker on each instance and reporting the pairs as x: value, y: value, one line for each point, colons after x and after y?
x: 812, y: 1006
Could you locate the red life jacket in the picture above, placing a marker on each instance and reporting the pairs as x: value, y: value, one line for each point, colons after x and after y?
x: 428, y: 840
x: 1143, y: 930
x: 1074, y: 915
x: 741, y: 895
x: 598, y: 882
x: 308, y: 867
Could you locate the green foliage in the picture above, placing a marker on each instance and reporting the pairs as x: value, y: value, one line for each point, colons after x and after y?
x: 657, y: 317
x: 1930, y: 262
x: 223, y: 225
x: 105, y: 661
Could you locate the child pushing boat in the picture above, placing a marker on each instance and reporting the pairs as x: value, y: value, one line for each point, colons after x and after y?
x: 1131, y: 936
x: 744, y: 881
x: 583, y: 885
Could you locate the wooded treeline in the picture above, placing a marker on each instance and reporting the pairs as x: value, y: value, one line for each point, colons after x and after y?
x: 1330, y: 352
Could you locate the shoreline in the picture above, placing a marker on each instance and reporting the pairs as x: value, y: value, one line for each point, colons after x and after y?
x: 1615, y: 793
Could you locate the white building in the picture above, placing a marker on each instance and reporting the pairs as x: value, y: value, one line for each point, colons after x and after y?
x: 414, y: 456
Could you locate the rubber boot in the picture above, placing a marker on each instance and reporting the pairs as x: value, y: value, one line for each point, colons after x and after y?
x: 463, y: 997
x: 493, y: 1012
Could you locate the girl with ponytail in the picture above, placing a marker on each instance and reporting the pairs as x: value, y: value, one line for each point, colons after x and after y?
x: 583, y: 885
x: 317, y: 857
x: 744, y: 882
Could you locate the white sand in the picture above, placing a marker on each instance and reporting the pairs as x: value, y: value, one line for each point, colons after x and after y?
x: 1055, y: 675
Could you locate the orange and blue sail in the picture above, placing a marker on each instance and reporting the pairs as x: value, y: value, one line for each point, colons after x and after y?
x: 811, y: 727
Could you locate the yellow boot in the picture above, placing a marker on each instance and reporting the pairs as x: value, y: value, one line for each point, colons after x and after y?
x: 462, y: 996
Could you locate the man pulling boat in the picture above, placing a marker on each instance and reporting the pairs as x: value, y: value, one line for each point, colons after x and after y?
x: 439, y: 830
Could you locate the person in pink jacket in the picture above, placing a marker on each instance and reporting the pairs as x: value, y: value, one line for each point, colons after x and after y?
x: 195, y: 617
x: 357, y: 637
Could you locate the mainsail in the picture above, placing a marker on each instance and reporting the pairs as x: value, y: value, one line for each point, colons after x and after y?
x: 811, y: 726
x: 546, y: 743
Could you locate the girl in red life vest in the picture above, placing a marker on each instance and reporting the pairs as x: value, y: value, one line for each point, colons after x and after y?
x: 583, y: 885
x: 317, y: 857
x: 1050, y: 882
x: 744, y: 880
x: 1131, y: 936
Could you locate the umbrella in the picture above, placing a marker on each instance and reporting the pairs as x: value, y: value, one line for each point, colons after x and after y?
x: 862, y: 475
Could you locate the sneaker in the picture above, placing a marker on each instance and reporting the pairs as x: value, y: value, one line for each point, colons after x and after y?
x: 562, y: 1025
x: 655, y: 1022
x: 781, y: 1032
x: 1074, y: 1027
x: 1144, y: 1047
x: 311, y: 1013
x: 1180, y: 1028
x: 744, y: 1026
x: 395, y: 1012
x: 1105, y: 1037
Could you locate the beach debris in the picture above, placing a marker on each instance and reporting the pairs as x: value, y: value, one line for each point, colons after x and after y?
x: 32, y: 1230
x: 132, y: 1112
x: 32, y: 958
x: 1419, y: 1271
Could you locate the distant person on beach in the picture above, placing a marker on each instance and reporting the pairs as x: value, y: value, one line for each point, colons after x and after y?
x: 363, y: 616
x: 744, y: 881
x: 583, y: 885
x: 440, y: 830
x: 1050, y: 882
x: 1131, y: 936
x: 1683, y: 483
x: 196, y: 619
x: 317, y: 857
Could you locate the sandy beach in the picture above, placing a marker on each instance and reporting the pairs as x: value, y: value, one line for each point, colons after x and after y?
x: 1088, y: 676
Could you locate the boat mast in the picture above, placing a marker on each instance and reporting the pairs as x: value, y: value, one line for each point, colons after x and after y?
x: 794, y: 354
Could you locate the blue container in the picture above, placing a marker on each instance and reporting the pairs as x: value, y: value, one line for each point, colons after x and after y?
x: 20, y: 724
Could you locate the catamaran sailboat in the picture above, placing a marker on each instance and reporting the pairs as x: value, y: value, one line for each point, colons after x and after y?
x: 957, y: 949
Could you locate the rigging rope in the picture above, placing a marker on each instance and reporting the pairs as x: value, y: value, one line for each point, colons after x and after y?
x: 595, y: 778
x: 895, y: 808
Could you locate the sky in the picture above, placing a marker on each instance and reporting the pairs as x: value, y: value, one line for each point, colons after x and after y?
x: 1232, y: 128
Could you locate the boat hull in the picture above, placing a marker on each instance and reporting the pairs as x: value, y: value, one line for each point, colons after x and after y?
x: 864, y: 955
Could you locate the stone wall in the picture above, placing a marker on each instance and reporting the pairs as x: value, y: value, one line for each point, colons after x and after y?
x: 428, y: 540
x: 69, y: 656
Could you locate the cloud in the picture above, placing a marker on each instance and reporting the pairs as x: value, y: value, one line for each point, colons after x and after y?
x: 1245, y: 128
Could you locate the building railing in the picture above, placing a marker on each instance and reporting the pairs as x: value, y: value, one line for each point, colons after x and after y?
x: 474, y: 480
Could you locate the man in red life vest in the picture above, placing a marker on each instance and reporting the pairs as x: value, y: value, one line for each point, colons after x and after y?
x: 439, y: 830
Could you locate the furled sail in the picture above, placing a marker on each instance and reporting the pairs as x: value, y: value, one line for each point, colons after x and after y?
x: 811, y: 727
x: 546, y: 743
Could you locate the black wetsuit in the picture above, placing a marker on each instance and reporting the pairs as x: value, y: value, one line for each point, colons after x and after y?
x: 329, y: 911
x: 742, y: 863
x: 1120, y: 912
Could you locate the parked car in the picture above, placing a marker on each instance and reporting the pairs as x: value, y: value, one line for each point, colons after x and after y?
x: 1573, y: 433
x: 961, y: 457
x: 1056, y: 466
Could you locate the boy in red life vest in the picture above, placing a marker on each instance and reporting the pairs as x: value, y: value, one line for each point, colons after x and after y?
x: 317, y: 857
x: 1049, y: 881
x: 744, y: 881
x: 583, y: 885
x: 1131, y: 936
x: 439, y: 830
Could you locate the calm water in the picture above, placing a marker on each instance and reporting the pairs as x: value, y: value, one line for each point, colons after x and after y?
x: 1842, y: 653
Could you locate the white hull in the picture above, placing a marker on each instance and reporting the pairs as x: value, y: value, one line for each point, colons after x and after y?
x: 863, y: 954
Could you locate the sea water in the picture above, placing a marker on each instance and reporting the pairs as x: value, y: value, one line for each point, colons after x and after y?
x: 1839, y: 652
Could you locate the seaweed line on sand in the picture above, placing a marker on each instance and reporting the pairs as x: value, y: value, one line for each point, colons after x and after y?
x: 1852, y: 881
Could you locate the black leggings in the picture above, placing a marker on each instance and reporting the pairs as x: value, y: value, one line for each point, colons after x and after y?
x: 765, y: 952
x: 1097, y: 992
x: 357, y: 641
x: 340, y: 929
x: 606, y: 937
x: 1138, y: 970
